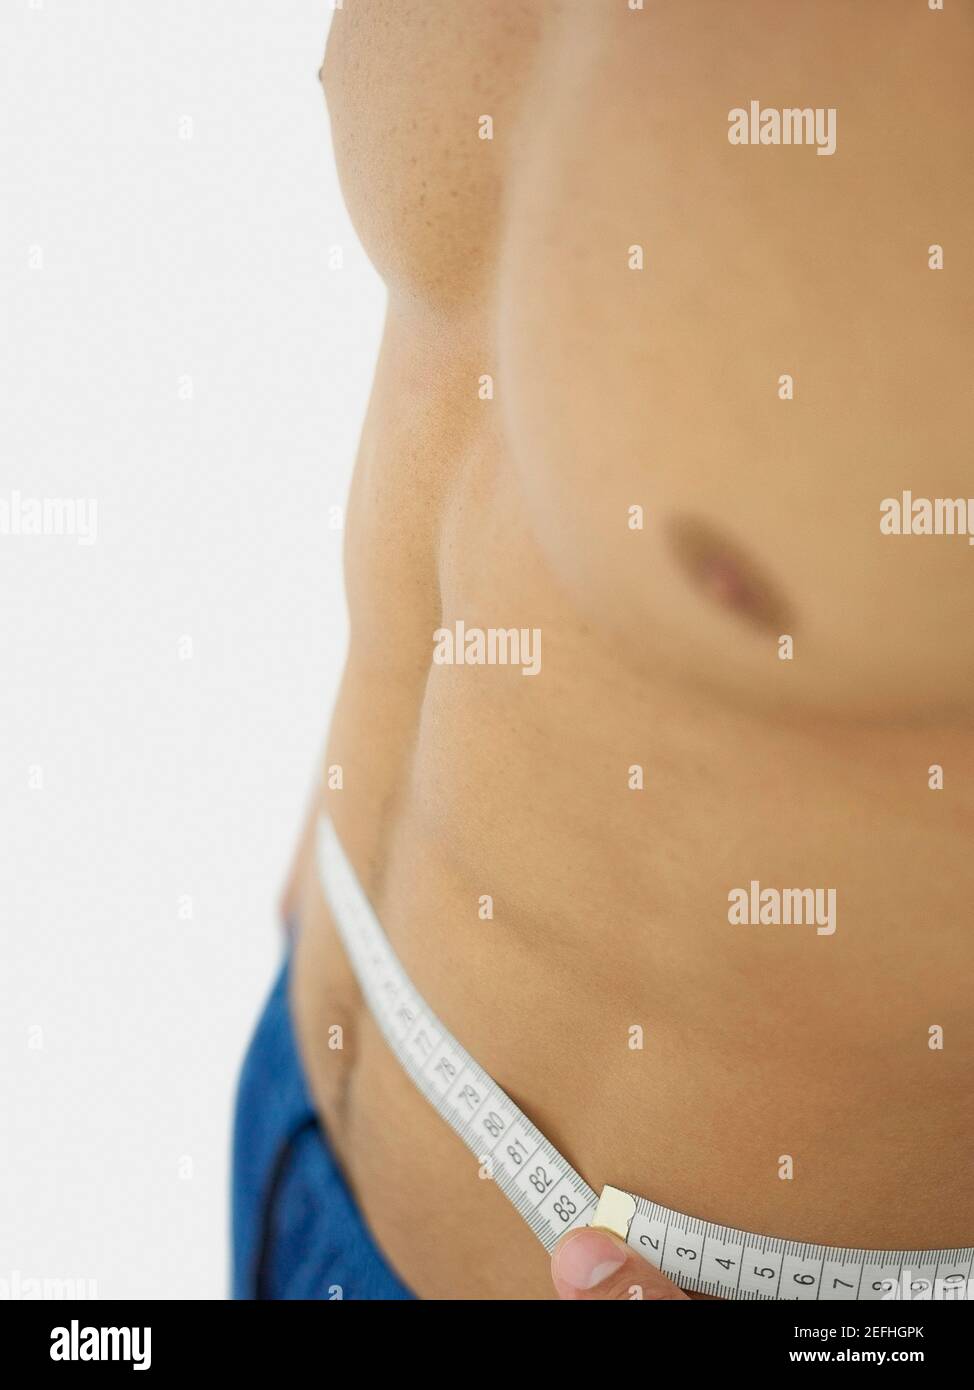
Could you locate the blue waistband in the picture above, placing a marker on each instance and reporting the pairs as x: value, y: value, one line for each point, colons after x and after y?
x: 297, y: 1232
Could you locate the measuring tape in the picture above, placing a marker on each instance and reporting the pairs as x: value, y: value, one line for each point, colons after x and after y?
x: 544, y: 1187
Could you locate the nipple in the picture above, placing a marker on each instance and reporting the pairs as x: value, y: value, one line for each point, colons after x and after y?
x: 722, y: 573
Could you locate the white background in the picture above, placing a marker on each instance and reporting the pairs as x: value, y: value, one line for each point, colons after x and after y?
x: 164, y: 258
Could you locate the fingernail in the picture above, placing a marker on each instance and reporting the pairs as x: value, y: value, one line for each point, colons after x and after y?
x: 587, y: 1260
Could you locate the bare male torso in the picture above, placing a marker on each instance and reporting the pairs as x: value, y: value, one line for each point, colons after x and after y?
x: 509, y: 504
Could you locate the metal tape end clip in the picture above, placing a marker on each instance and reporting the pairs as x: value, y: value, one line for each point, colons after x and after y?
x: 614, y: 1212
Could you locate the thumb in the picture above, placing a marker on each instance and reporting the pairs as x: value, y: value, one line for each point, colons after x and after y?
x: 591, y: 1264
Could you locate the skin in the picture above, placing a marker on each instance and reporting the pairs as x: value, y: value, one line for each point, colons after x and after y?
x: 615, y: 387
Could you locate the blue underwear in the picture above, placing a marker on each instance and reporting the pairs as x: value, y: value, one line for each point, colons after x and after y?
x: 297, y: 1232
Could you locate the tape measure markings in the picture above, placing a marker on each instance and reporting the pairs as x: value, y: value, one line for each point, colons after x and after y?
x: 696, y: 1254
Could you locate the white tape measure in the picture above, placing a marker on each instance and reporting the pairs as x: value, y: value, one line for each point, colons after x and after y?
x: 553, y: 1198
